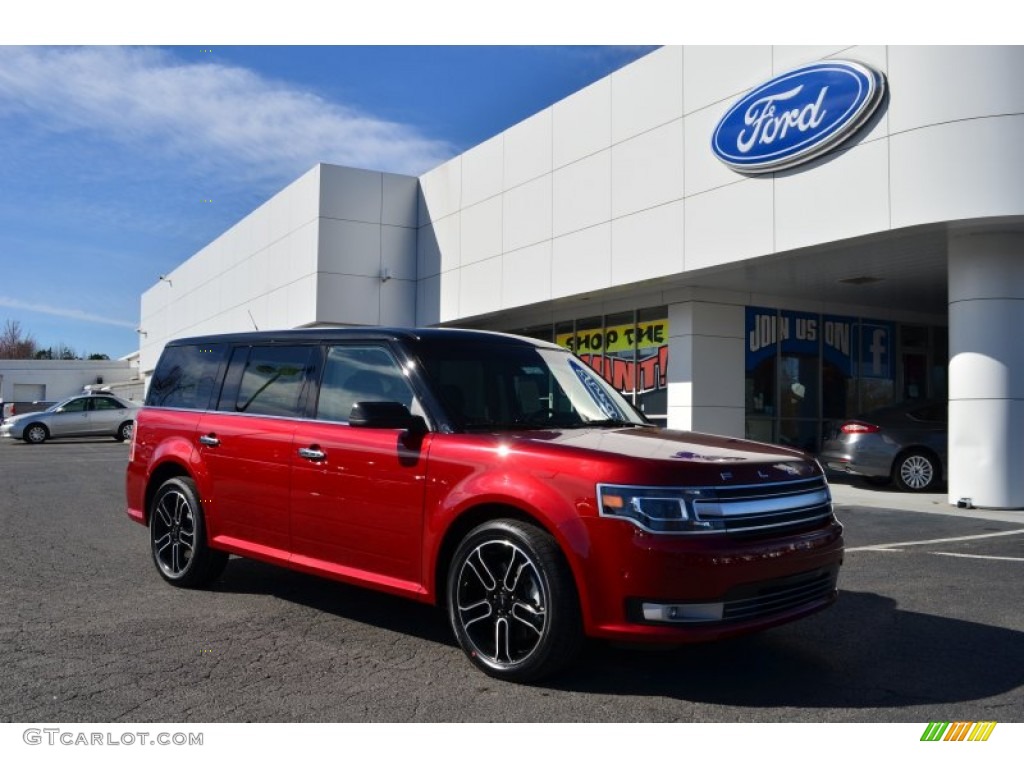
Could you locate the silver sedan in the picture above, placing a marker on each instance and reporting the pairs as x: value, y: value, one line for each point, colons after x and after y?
x: 81, y: 416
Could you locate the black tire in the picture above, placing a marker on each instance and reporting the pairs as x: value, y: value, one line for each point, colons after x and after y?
x: 177, y: 535
x: 512, y: 602
x: 35, y: 433
x: 124, y: 432
x: 916, y: 471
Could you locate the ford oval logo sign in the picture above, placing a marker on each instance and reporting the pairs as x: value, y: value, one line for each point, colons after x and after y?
x: 797, y: 116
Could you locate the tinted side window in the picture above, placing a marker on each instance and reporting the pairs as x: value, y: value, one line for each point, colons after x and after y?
x: 274, y: 381
x: 75, y: 406
x: 359, y: 374
x: 105, y: 404
x: 186, y: 376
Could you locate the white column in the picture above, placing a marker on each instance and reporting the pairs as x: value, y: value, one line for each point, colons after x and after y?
x: 705, y: 367
x: 986, y: 370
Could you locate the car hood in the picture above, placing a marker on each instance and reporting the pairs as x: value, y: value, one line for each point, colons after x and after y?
x: 715, y: 458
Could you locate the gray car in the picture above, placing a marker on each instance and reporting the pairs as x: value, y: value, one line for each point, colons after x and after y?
x: 80, y: 416
x: 904, y: 444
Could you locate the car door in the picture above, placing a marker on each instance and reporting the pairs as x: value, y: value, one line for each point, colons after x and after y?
x: 244, y: 448
x: 357, y: 492
x: 105, y: 415
x: 70, y: 419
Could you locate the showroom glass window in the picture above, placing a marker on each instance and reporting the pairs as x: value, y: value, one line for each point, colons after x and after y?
x: 629, y: 349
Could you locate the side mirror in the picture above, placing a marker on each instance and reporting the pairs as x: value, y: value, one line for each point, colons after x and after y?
x: 385, y: 415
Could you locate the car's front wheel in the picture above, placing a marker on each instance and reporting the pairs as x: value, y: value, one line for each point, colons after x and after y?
x: 36, y: 433
x: 177, y: 532
x: 916, y: 471
x: 512, y: 601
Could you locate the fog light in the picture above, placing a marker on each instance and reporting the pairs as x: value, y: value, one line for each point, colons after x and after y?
x: 683, y: 612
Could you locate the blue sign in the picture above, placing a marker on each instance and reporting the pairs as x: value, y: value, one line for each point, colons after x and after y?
x: 797, y: 116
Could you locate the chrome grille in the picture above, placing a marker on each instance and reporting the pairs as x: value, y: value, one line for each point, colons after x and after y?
x: 739, y: 509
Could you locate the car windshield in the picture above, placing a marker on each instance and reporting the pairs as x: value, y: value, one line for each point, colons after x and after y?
x: 499, y: 386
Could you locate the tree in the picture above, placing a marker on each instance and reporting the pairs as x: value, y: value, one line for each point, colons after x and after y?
x: 98, y: 356
x: 15, y: 344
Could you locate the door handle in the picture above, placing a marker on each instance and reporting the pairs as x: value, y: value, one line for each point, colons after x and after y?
x: 313, y: 453
x: 210, y: 440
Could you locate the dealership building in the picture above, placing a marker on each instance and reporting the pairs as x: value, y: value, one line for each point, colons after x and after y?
x: 750, y: 241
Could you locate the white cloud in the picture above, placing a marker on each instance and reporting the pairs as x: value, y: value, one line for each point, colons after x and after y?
x: 74, y: 314
x: 208, y: 113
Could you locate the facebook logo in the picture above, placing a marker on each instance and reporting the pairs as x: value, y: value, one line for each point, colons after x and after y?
x: 876, y: 350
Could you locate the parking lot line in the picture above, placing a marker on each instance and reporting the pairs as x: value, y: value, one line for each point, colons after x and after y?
x: 877, y: 547
x: 979, y: 557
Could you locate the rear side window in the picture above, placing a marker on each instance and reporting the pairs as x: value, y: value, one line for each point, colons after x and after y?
x: 274, y: 381
x: 186, y: 376
x: 354, y: 374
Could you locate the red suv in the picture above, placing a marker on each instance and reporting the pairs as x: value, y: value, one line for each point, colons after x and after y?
x: 497, y: 476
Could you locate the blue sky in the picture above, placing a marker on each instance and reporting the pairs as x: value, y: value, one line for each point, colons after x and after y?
x: 122, y: 157
x: 108, y: 155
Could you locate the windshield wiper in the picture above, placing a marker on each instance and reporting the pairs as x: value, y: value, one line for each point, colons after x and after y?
x: 611, y: 423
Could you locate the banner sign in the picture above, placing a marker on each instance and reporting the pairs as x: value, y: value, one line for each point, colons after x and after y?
x: 800, y: 333
x: 609, y: 351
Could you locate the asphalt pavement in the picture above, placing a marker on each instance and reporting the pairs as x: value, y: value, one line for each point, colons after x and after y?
x: 928, y: 627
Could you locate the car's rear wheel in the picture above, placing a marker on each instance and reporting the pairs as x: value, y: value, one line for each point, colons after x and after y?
x: 36, y: 433
x: 124, y: 432
x: 916, y: 471
x: 178, y: 536
x: 512, y: 601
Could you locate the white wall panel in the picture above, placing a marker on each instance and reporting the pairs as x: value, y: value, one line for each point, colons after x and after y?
x: 398, y: 252
x: 845, y: 195
x: 350, y: 193
x: 647, y: 93
x: 449, y: 299
x: 714, y: 73
x: 582, y: 123
x: 400, y: 196
x: 583, y: 193
x: 349, y: 247
x: 527, y: 215
x: 648, y: 244
x: 440, y: 191
x: 482, y: 170
x: 728, y: 224
x: 648, y: 170
x: 398, y: 303
x: 582, y: 261
x: 302, y: 301
x: 481, y: 231
x: 938, y: 84
x: 347, y: 299
x: 787, y: 57
x: 439, y: 246
x: 526, y: 276
x: 480, y: 287
x: 428, y: 300
x: 701, y: 169
x: 528, y: 149
x: 958, y: 170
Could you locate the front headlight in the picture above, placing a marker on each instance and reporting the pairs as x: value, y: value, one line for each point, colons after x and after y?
x: 659, y: 510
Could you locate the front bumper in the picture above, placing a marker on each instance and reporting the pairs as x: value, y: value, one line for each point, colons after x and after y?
x: 719, y: 585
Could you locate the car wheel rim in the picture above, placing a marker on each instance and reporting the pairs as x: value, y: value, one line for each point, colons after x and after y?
x: 174, y: 533
x: 126, y: 431
x: 501, y: 603
x: 37, y: 434
x: 916, y: 472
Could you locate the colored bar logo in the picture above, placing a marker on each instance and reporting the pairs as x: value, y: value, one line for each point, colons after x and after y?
x: 958, y: 731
